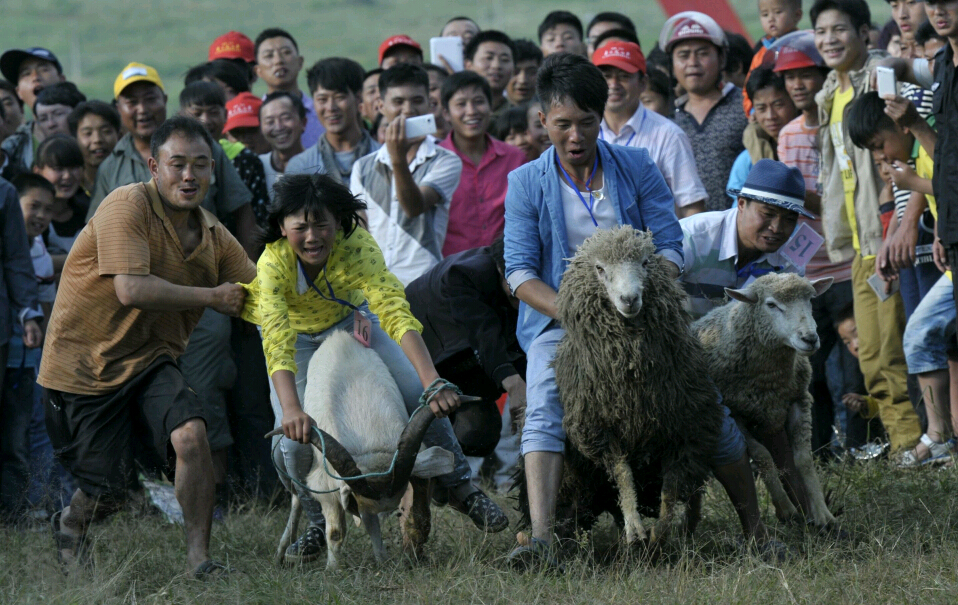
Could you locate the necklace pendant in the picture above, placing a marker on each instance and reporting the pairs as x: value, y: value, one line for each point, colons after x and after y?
x: 597, y: 195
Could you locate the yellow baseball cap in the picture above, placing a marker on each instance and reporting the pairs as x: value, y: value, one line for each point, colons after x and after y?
x: 136, y: 72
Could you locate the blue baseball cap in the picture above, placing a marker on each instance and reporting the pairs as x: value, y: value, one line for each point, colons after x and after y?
x: 774, y: 183
x: 10, y: 61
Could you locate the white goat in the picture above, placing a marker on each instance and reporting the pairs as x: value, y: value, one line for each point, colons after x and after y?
x: 758, y: 347
x: 359, y: 410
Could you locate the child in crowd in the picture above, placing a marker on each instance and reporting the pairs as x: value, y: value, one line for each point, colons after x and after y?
x: 928, y: 41
x: 512, y: 127
x: 49, y: 485
x: 537, y: 131
x: 96, y: 127
x: 778, y: 17
x: 657, y: 95
x: 862, y: 426
x: 60, y: 161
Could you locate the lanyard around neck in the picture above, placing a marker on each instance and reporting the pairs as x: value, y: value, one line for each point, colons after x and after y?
x: 332, y: 295
x: 591, y: 203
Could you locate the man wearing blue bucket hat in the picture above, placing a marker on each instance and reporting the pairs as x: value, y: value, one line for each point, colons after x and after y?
x: 730, y: 248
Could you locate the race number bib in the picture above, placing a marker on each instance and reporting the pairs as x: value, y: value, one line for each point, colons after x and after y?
x: 362, y: 328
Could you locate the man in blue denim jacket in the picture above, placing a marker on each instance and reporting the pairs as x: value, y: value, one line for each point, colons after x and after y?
x: 553, y: 204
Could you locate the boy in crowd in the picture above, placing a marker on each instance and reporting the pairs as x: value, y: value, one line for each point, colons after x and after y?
x: 12, y: 109
x: 850, y: 212
x: 522, y: 86
x: 407, y: 184
x: 206, y: 103
x: 336, y: 85
x: 476, y: 211
x: 909, y: 15
x: 278, y: 63
x: 512, y: 128
x: 96, y: 127
x: 242, y: 124
x: 399, y: 49
x: 603, y: 22
x: 437, y: 75
x: 709, y: 111
x: 561, y: 32
x: 627, y: 122
x: 282, y: 119
x: 31, y: 70
x: 778, y: 18
x: 236, y: 48
x: 491, y: 55
x: 863, y: 425
x: 53, y: 106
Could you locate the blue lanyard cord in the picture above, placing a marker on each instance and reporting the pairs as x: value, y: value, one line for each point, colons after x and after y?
x: 332, y: 295
x: 752, y: 270
x: 591, y: 204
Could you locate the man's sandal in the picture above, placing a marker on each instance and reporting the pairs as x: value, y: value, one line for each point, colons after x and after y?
x: 938, y: 453
x: 77, y: 544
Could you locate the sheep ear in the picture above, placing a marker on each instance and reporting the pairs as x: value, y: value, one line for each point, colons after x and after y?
x: 822, y: 284
x: 741, y: 295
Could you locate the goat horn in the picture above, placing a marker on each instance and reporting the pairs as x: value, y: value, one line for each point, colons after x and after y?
x: 342, y: 461
x: 408, y: 447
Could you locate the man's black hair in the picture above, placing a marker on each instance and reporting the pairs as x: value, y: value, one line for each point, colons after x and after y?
x: 273, y: 32
x: 58, y: 151
x: 623, y: 34
x: 866, y: 117
x: 657, y: 59
x: 184, y: 126
x: 338, y: 74
x: 659, y: 83
x: 61, y: 93
x: 739, y: 55
x: 202, y: 93
x: 512, y: 120
x: 489, y: 35
x: 856, y: 10
x: 526, y: 50
x: 312, y: 193
x: 612, y: 17
x: 926, y: 31
x: 227, y: 72
x: 104, y: 110
x: 460, y: 80
x: 12, y: 89
x: 559, y: 18
x: 763, y: 77
x: 296, y: 100
x: 373, y: 72
x: 567, y: 76
x: 470, y: 19
x: 25, y: 181
x: 497, y: 250
x: 433, y: 68
x: 403, y: 74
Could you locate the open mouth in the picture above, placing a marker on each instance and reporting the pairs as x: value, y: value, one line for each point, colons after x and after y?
x: 189, y: 192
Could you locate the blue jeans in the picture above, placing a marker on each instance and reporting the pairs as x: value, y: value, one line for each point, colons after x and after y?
x: 543, y: 430
x: 296, y: 459
x: 50, y: 483
x: 16, y: 405
x: 925, y: 340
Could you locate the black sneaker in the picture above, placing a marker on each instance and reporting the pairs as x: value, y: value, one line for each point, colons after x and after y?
x: 308, y: 548
x: 485, y: 513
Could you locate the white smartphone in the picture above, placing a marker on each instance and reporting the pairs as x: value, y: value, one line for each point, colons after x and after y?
x: 420, y: 126
x: 450, y: 47
x: 878, y: 285
x: 887, y: 83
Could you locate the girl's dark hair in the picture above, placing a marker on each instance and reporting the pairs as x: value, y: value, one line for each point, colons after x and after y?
x: 312, y: 193
x: 59, y: 151
x: 511, y: 120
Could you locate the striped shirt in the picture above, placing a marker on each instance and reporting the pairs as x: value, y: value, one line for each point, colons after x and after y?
x: 95, y: 344
x: 710, y: 243
x: 798, y: 148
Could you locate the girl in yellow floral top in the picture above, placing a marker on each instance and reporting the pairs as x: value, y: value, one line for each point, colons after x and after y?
x: 317, y: 271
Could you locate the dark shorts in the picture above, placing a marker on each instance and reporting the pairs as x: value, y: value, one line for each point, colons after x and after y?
x: 97, y: 437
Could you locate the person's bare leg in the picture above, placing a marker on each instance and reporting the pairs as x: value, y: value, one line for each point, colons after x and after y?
x: 543, y: 477
x: 75, y: 520
x: 737, y: 480
x: 934, y: 388
x: 194, y: 487
x: 780, y: 448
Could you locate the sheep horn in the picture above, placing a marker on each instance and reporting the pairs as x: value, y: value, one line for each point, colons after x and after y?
x: 408, y: 447
x: 342, y: 461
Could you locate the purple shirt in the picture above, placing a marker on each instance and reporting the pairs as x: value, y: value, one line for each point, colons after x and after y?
x: 477, y: 210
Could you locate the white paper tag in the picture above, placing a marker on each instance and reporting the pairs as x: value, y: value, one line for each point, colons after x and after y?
x: 802, y: 246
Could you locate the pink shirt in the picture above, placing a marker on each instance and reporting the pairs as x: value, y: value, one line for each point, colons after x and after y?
x: 477, y: 211
x: 798, y: 148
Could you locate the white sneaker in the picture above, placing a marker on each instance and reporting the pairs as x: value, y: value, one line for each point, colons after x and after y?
x: 939, y: 453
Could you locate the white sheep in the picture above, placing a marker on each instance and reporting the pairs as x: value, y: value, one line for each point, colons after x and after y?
x: 758, y: 347
x: 359, y: 410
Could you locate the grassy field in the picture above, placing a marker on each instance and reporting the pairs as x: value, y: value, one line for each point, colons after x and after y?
x: 903, y: 550
x: 96, y: 38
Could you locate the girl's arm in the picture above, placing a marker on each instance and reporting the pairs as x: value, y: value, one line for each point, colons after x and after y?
x: 446, y: 401
x: 296, y: 423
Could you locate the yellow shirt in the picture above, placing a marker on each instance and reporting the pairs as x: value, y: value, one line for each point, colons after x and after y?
x: 283, y: 305
x: 925, y: 167
x: 842, y: 99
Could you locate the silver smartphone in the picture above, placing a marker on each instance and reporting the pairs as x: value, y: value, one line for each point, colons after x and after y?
x: 887, y: 83
x: 878, y: 285
x: 420, y: 126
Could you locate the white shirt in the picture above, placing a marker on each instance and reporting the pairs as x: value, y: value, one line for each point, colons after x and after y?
x: 272, y: 175
x: 43, y: 268
x: 668, y: 146
x: 578, y: 222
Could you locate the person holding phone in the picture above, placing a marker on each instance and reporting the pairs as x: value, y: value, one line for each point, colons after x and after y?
x: 407, y: 184
x: 319, y: 274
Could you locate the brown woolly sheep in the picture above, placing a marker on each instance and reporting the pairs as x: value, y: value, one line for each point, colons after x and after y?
x: 632, y: 379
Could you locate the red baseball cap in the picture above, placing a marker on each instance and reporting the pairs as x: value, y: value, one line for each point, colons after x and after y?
x: 794, y: 51
x: 394, y: 41
x: 233, y: 45
x: 242, y: 111
x: 627, y: 56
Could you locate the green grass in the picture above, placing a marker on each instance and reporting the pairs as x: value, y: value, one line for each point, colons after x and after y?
x: 903, y: 550
x: 95, y: 39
